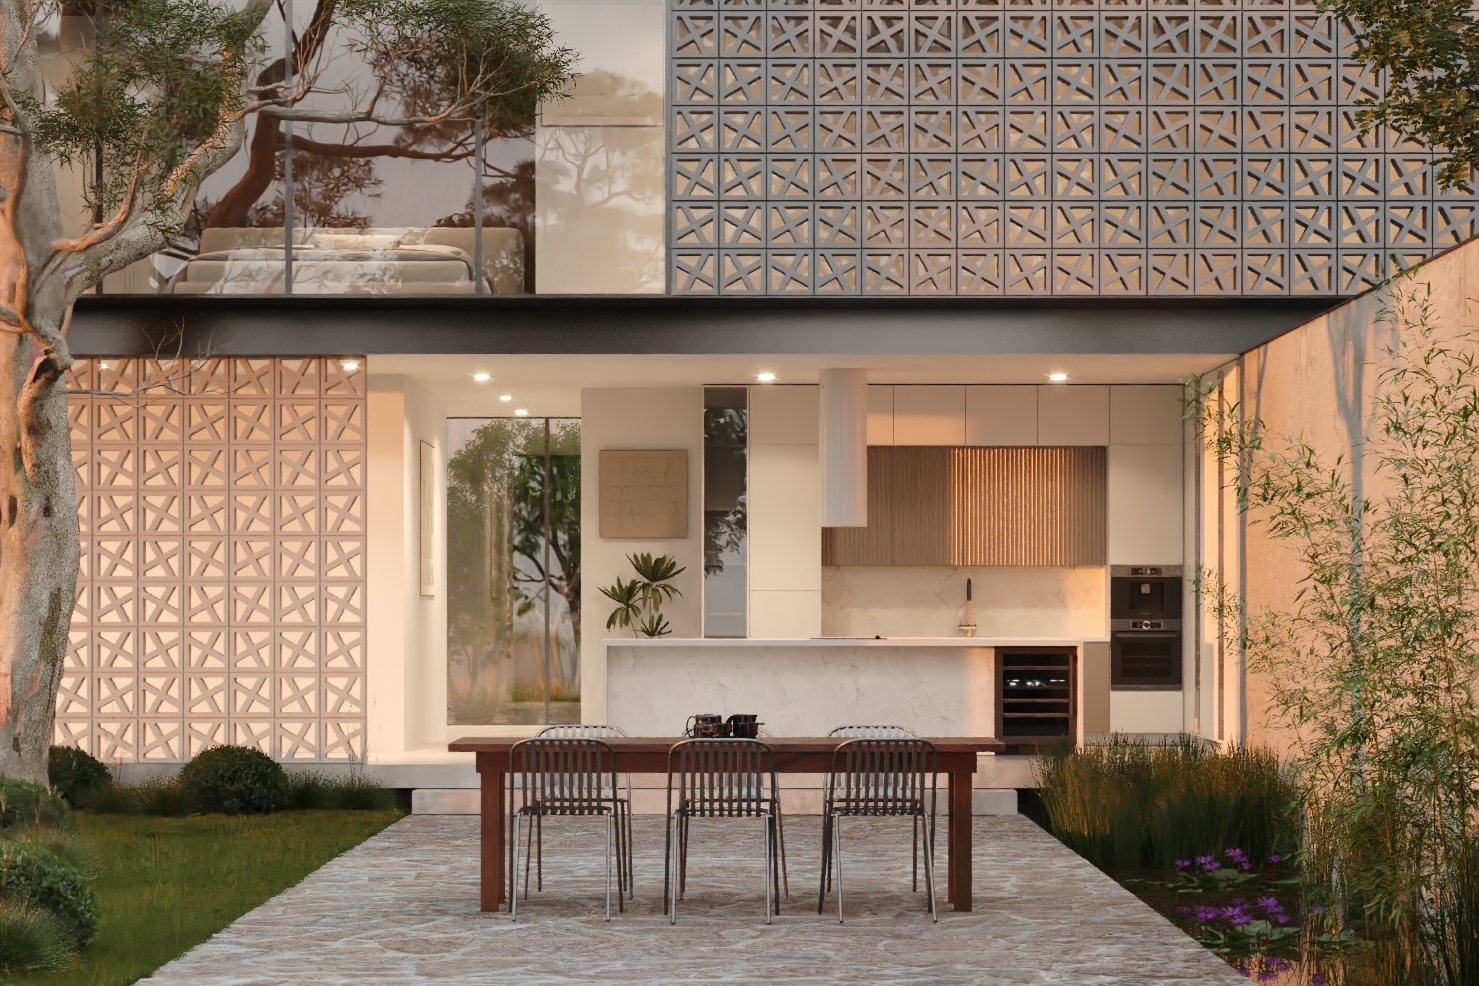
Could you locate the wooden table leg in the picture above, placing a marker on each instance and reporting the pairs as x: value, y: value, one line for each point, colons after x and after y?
x: 492, y: 835
x: 959, y: 859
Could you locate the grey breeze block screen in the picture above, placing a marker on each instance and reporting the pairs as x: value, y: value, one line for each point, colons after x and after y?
x: 1033, y: 149
x: 221, y: 597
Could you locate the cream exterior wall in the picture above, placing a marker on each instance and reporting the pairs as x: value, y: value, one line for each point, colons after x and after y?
x: 599, y: 158
x: 406, y: 657
x: 784, y: 514
x: 1318, y: 383
x: 667, y: 418
x: 1005, y: 416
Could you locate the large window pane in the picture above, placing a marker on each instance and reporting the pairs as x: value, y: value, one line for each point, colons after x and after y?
x: 726, y: 579
x: 513, y: 559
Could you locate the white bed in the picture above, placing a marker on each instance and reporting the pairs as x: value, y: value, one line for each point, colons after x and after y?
x: 410, y: 260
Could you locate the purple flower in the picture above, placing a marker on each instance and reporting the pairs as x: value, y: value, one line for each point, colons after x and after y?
x: 1317, y: 910
x: 1203, y: 860
x: 1247, y: 866
x: 1205, y: 913
x: 1317, y: 979
x: 1183, y: 910
x: 1182, y: 864
x: 1235, y: 914
x: 1245, y: 973
x: 1265, y: 976
x: 1269, y: 903
x: 1236, y: 855
x: 1275, y: 858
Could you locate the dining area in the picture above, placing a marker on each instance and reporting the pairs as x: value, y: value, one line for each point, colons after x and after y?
x: 720, y: 773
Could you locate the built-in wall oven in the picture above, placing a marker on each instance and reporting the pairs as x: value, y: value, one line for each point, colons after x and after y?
x: 1145, y: 627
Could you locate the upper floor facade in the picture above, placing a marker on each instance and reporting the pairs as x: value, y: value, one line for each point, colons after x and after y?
x: 951, y: 147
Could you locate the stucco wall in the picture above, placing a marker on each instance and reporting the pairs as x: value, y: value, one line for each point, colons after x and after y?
x: 1317, y: 383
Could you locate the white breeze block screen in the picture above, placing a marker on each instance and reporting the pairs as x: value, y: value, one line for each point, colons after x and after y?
x: 1077, y: 148
x: 221, y: 597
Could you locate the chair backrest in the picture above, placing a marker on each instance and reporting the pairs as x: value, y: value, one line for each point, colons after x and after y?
x: 882, y: 776
x: 580, y: 731
x: 873, y: 732
x: 733, y: 778
x: 565, y: 776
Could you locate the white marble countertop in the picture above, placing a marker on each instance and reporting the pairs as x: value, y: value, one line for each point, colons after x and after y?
x: 748, y: 642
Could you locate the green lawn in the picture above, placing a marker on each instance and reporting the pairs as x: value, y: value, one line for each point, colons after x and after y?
x: 168, y: 884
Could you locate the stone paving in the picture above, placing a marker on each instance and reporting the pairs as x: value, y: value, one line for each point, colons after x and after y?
x: 403, y: 908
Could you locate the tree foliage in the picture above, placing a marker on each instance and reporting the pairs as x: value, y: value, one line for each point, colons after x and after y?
x: 1429, y: 52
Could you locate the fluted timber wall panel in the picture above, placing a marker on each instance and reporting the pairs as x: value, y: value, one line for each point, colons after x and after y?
x: 979, y: 506
x: 222, y: 584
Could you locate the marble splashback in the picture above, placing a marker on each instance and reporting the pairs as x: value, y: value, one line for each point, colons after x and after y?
x: 904, y: 601
x: 801, y: 690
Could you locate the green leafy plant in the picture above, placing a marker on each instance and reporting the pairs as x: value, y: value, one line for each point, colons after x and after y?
x: 234, y: 780
x: 33, y: 876
x: 1427, y: 54
x: 30, y: 938
x: 1371, y: 666
x: 76, y: 774
x: 639, y: 601
x: 27, y: 803
x: 352, y: 792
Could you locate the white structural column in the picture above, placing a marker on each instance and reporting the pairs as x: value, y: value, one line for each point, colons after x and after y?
x: 843, y: 448
x: 785, y: 538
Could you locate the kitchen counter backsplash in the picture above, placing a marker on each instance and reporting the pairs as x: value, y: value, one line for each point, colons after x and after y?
x: 904, y: 601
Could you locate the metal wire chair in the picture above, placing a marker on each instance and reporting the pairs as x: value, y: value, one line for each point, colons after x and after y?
x: 582, y: 730
x: 564, y: 777
x: 877, y: 731
x: 722, y: 778
x: 873, y: 732
x: 879, y: 778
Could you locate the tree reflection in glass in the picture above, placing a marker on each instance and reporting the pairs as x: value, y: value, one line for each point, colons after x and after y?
x: 500, y: 587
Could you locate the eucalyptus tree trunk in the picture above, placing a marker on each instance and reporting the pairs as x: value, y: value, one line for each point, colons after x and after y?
x: 39, y: 546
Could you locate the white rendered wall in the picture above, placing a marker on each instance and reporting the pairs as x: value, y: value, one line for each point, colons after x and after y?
x: 670, y: 418
x: 406, y: 656
x: 785, y: 531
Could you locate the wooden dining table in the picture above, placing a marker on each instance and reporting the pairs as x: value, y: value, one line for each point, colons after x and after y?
x: 793, y: 755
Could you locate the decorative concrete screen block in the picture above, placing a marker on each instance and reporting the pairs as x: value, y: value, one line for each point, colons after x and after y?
x: 1099, y: 147
x: 222, y: 585
x: 644, y: 493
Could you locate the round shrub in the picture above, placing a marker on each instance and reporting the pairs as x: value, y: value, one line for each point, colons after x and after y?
x: 77, y: 775
x: 235, y: 780
x: 32, y: 876
x: 28, y: 803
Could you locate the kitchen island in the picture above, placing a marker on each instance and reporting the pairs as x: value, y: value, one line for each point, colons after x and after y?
x: 936, y: 686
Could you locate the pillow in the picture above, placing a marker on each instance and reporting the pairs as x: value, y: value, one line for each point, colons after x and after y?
x: 356, y: 241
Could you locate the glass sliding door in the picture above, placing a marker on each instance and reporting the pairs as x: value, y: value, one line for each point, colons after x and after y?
x: 513, y: 567
x: 726, y: 461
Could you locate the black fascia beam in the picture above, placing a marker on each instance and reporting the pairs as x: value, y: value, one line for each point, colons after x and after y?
x: 367, y: 324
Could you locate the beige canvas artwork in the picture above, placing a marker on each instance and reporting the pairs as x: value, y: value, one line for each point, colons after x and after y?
x: 644, y: 493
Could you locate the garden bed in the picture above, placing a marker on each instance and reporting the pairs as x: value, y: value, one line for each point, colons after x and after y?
x: 167, y: 884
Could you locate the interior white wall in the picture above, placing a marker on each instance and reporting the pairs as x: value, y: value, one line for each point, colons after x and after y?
x: 1146, y: 470
x: 669, y: 418
x: 406, y: 653
x: 784, y: 513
